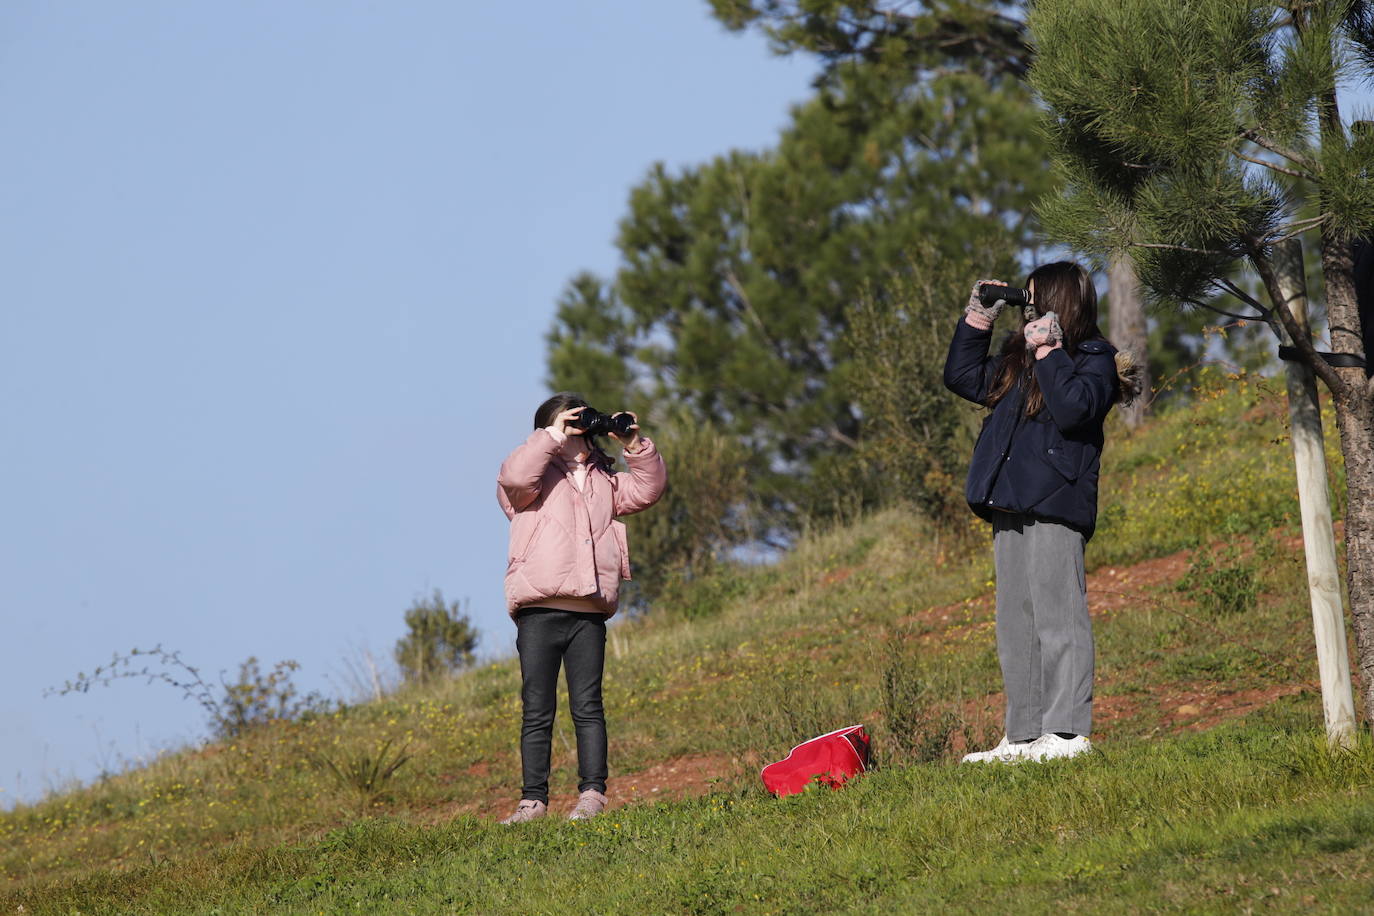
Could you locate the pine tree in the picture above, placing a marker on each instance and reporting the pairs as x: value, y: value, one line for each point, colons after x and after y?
x: 1201, y: 136
x: 920, y: 38
x: 987, y: 37
x: 738, y: 275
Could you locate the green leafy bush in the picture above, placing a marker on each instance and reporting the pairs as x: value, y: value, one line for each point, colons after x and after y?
x: 1223, y: 582
x: 439, y: 641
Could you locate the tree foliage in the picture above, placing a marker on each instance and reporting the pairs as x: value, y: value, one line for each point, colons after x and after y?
x: 916, y: 444
x: 1196, y: 158
x: 987, y: 38
x: 738, y: 275
x: 1199, y: 136
x: 704, y: 512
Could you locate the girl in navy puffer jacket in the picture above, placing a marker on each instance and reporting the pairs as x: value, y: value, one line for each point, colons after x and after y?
x: 1034, y: 477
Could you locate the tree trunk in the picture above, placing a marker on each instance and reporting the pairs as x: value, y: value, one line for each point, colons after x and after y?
x: 1353, y: 396
x: 1354, y: 402
x: 1355, y: 417
x: 1129, y: 330
x: 1285, y: 279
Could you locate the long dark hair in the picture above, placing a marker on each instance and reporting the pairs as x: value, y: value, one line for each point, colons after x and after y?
x: 566, y: 400
x: 1066, y: 289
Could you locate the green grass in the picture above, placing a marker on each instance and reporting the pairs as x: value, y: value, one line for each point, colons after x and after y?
x: 1221, y: 467
x: 1243, y: 816
x: 885, y: 622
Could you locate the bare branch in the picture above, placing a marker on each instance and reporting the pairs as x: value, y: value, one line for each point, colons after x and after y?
x: 1161, y: 245
x: 1221, y: 311
x: 836, y: 434
x: 1302, y: 342
x: 1245, y: 297
x: 1260, y: 140
x: 1274, y: 166
x: 1298, y: 228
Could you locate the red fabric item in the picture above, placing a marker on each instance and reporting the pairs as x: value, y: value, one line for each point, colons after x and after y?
x: 830, y: 759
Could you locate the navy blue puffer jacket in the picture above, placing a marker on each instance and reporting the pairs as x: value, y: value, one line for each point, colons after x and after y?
x: 1044, y: 466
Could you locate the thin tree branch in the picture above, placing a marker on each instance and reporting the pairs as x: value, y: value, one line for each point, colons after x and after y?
x: 1220, y: 311
x: 1274, y: 166
x: 1303, y: 343
x: 1254, y: 136
x: 1164, y: 247
x: 835, y: 433
x: 1298, y: 228
x: 1245, y: 297
x: 1300, y: 336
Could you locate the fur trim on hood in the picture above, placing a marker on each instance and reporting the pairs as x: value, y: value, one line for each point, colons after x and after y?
x: 1129, y: 374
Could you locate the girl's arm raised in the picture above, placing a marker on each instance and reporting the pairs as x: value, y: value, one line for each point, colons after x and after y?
x: 1077, y: 396
x: 968, y: 366
x: 642, y: 486
x: 521, y: 477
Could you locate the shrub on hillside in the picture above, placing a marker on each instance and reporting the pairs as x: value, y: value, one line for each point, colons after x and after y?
x: 915, y: 436
x: 1222, y: 582
x: 706, y: 511
x: 917, y: 730
x: 439, y: 640
x: 256, y: 698
x: 232, y: 708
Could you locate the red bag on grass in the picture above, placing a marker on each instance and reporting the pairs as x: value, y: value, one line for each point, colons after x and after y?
x: 830, y: 759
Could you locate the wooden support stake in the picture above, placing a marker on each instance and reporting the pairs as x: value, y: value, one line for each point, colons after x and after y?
x: 1318, y: 534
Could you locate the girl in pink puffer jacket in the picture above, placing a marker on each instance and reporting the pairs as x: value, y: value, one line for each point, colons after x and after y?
x: 568, y: 554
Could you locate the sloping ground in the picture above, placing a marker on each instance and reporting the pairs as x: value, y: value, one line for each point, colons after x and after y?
x: 1253, y: 819
x: 887, y: 623
x: 1174, y: 706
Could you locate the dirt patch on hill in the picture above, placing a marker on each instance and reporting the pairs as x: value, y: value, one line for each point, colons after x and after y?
x: 1118, y: 588
x: 1186, y: 706
x: 836, y: 576
x: 682, y: 777
x: 1110, y: 589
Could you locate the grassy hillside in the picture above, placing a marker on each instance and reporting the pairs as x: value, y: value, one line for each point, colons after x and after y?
x: 1211, y: 791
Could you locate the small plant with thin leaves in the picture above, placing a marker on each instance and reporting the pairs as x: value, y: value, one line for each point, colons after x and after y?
x: 365, y: 773
x: 917, y: 730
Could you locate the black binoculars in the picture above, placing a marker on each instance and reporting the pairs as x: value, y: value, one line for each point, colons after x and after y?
x: 592, y: 422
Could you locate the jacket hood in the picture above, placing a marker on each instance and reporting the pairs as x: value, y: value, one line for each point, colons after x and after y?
x: 1130, y: 376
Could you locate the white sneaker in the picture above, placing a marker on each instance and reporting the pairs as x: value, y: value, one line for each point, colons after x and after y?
x: 589, y: 804
x: 1052, y: 747
x: 1005, y: 752
x: 528, y: 810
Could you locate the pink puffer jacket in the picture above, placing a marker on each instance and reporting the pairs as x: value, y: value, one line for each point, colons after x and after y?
x: 566, y: 543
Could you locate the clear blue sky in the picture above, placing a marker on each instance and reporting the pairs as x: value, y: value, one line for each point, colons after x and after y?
x: 275, y: 279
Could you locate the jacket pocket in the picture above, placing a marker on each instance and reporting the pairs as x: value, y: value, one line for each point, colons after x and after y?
x: 519, y: 552
x: 1066, y: 458
x: 623, y: 543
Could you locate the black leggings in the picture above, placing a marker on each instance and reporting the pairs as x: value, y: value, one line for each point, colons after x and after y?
x: 547, y: 638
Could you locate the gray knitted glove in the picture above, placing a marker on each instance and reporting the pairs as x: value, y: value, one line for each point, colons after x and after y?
x: 1044, y: 334
x: 979, y: 315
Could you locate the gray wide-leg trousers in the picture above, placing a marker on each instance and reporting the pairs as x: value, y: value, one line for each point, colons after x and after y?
x: 1044, y: 635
